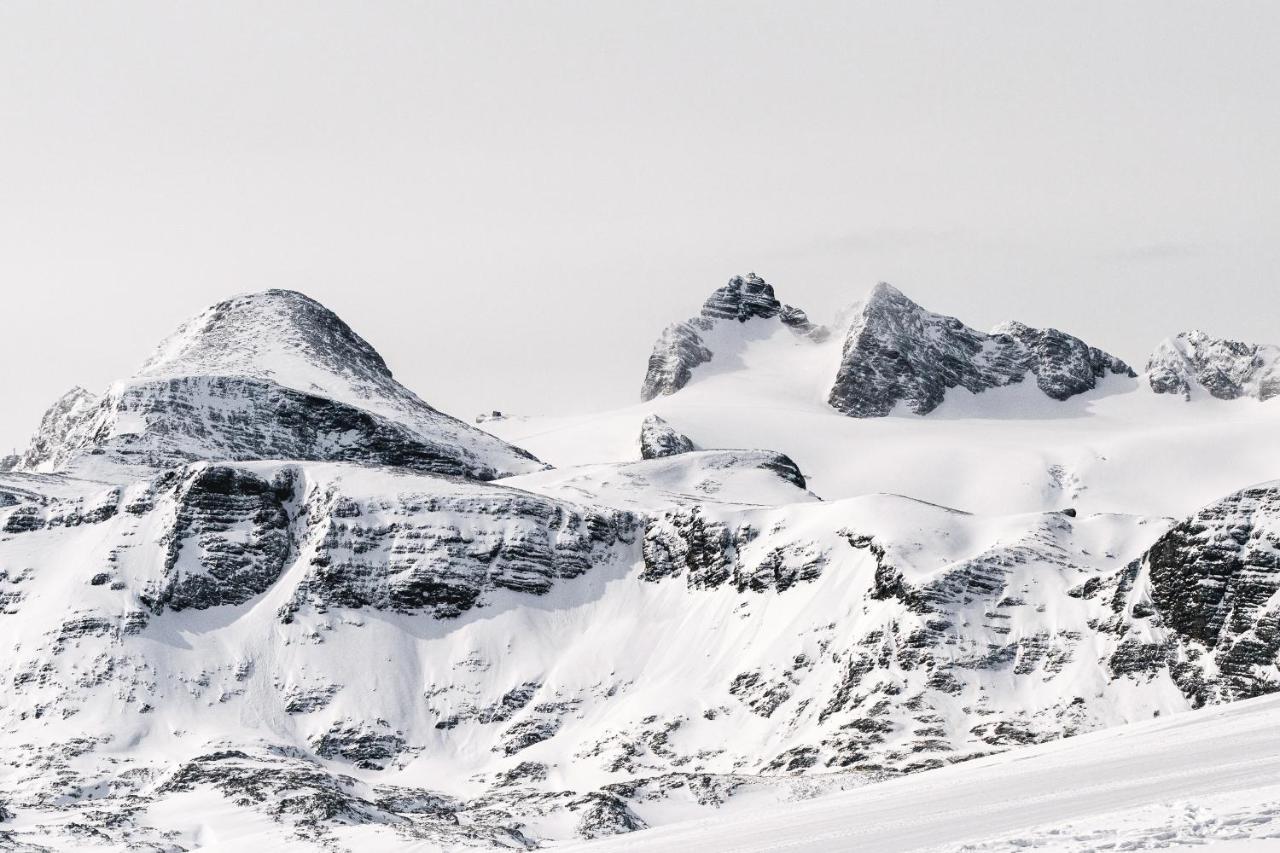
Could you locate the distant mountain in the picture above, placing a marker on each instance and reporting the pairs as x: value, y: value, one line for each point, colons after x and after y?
x: 894, y: 353
x: 271, y: 375
x: 1193, y: 362
x: 681, y: 347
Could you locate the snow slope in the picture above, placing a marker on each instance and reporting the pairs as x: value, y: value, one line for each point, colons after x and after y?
x: 1176, y: 782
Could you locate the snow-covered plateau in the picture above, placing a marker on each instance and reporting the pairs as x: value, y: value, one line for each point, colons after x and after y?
x: 888, y: 583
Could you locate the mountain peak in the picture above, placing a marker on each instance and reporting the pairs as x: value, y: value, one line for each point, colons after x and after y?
x: 266, y: 375
x: 268, y: 334
x: 1226, y: 369
x: 898, y: 352
x: 681, y: 347
x: 743, y: 298
x: 886, y: 292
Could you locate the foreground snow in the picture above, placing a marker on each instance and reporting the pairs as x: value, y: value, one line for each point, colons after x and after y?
x: 1201, y: 776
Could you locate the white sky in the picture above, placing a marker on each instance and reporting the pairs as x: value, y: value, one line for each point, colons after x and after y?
x: 510, y: 200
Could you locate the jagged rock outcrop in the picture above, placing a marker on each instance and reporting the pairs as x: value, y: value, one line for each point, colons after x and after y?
x: 271, y: 375
x: 230, y: 540
x: 681, y: 348
x: 745, y: 297
x: 659, y: 439
x: 1225, y: 369
x: 1210, y: 583
x: 896, y: 352
x: 63, y: 419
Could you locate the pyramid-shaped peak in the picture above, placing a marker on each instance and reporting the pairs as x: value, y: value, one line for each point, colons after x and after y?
x: 275, y: 334
x: 885, y: 291
x: 886, y: 299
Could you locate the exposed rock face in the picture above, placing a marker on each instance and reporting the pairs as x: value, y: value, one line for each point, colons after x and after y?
x: 378, y: 616
x: 63, y: 419
x: 898, y: 353
x: 677, y: 352
x: 1063, y: 365
x: 307, y: 799
x: 367, y: 746
x: 681, y: 347
x: 1225, y: 369
x: 895, y: 352
x: 167, y: 422
x: 229, y: 542
x: 605, y: 814
x: 751, y: 296
x: 438, y: 547
x: 658, y: 439
x: 1211, y: 581
x: 270, y: 375
x: 711, y: 552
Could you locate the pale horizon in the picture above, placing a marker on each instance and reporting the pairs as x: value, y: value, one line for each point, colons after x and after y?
x: 511, y: 203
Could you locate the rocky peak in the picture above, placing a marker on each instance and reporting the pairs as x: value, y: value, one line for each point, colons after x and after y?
x: 898, y: 352
x: 745, y: 297
x: 682, y: 346
x: 1226, y: 369
x: 60, y: 420
x: 659, y: 439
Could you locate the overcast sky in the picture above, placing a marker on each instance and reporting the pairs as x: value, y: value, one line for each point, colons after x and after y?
x: 511, y: 200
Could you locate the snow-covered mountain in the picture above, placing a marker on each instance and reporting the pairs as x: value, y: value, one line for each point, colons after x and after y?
x: 271, y: 375
x: 1194, y: 363
x: 684, y: 346
x: 897, y: 353
x: 894, y: 352
x: 261, y: 594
